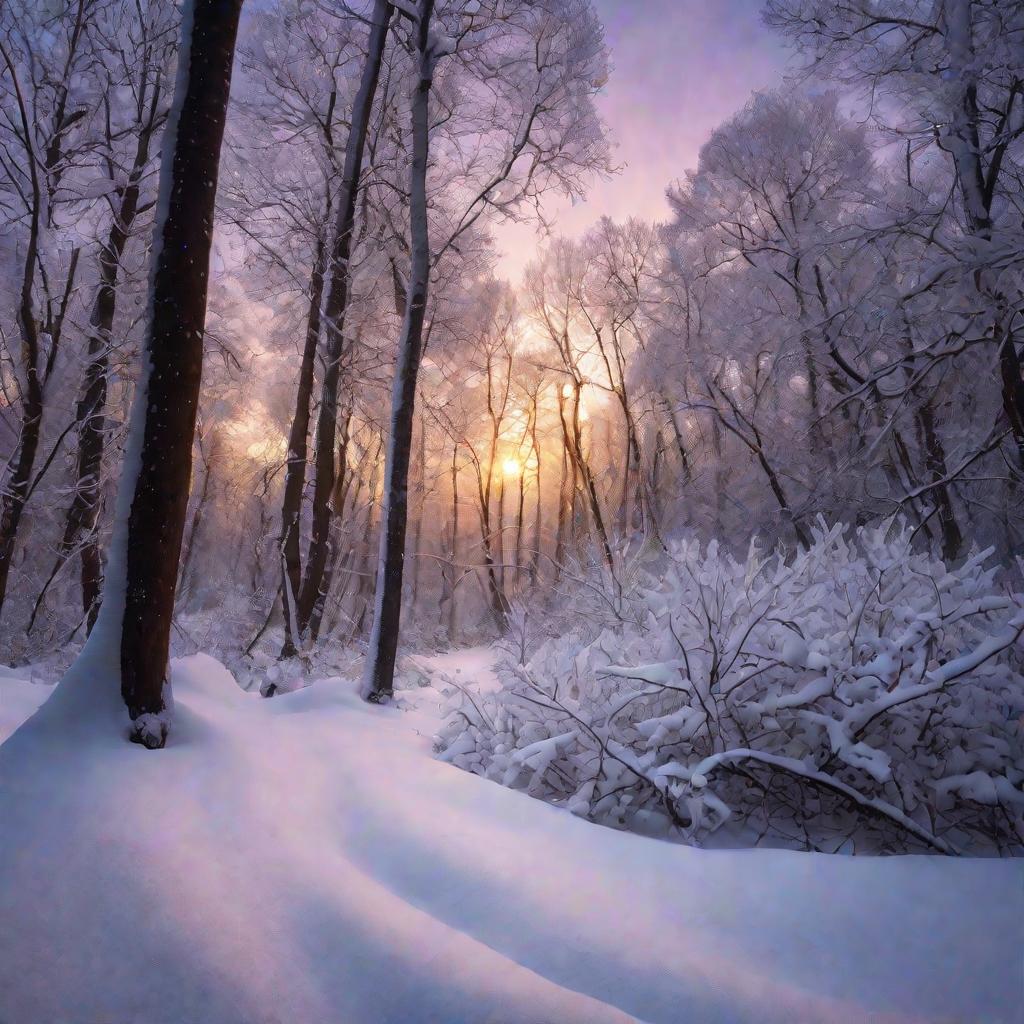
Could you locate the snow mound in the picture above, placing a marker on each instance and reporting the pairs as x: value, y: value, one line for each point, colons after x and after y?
x: 304, y: 860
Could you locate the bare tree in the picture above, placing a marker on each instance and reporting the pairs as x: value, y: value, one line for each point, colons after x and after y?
x: 46, y: 64
x: 158, y: 462
x: 139, y: 67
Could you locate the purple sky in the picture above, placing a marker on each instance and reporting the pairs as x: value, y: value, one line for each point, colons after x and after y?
x: 680, y: 67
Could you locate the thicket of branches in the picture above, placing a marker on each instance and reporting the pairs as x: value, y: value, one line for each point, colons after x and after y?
x: 858, y: 696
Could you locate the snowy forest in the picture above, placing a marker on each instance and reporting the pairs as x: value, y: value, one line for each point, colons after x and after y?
x: 519, y: 609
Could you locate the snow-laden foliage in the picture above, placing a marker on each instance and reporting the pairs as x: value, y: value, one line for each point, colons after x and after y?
x: 856, y: 695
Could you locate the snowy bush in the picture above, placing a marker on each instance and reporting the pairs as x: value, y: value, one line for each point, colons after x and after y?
x: 858, y: 695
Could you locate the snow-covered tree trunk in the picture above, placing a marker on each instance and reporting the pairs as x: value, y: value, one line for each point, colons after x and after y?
x: 91, y: 409
x: 334, y: 318
x: 19, y: 469
x: 341, y: 487
x: 451, y: 576
x: 38, y: 140
x: 158, y: 464
x: 378, y: 676
x: 298, y: 443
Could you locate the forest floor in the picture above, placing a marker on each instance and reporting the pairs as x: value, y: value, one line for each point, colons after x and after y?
x: 305, y: 860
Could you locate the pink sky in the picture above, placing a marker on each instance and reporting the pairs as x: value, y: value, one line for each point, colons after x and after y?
x: 680, y: 68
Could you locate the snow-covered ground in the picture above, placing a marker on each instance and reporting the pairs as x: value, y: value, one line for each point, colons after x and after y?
x: 304, y: 860
x: 20, y: 696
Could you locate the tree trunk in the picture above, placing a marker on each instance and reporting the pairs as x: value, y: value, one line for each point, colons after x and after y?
x: 334, y: 317
x: 500, y: 532
x: 1012, y: 378
x: 44, y: 179
x: 341, y: 486
x: 485, y: 488
x: 977, y: 185
x: 584, y: 473
x: 520, y: 509
x: 935, y: 460
x: 421, y: 502
x: 566, y: 491
x: 537, y: 532
x: 378, y: 678
x: 91, y: 410
x: 19, y: 468
x: 190, y: 543
x: 298, y: 448
x: 169, y: 391
x: 453, y: 550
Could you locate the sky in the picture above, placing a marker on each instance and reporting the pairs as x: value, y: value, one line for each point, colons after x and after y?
x: 679, y: 69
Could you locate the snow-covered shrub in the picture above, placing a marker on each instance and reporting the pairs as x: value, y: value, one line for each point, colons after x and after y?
x: 526, y: 627
x: 858, y: 695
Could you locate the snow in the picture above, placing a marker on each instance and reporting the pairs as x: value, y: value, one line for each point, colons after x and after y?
x: 20, y: 696
x: 473, y: 666
x: 863, y: 688
x: 306, y: 859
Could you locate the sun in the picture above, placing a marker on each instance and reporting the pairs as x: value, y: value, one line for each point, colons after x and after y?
x: 512, y: 466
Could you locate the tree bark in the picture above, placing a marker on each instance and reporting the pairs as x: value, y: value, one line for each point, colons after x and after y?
x: 91, y: 409
x: 337, y: 504
x: 298, y: 448
x: 19, y: 468
x: 174, y: 351
x: 566, y: 492
x: 452, y: 578
x: 378, y: 678
x: 334, y: 317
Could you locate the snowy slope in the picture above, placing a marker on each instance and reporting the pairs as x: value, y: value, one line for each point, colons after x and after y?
x: 19, y: 698
x: 304, y: 860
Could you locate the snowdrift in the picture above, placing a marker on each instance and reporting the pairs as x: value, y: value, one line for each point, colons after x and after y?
x: 304, y: 860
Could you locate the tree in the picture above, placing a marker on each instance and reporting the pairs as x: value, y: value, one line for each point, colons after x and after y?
x: 47, y: 70
x: 302, y: 603
x: 542, y: 63
x: 153, y: 494
x: 953, y: 73
x: 130, y: 129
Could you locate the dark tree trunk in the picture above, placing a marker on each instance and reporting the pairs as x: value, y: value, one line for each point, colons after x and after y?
x: 194, y: 531
x: 935, y: 460
x: 520, y: 510
x: 566, y: 492
x: 485, y: 488
x: 174, y: 349
x: 91, y: 409
x: 19, y: 469
x: 756, y: 445
x: 451, y: 576
x: 499, y: 534
x: 585, y: 474
x: 1012, y: 378
x: 537, y: 531
x: 378, y: 678
x: 341, y: 485
x: 978, y: 184
x: 298, y: 447
x: 44, y: 180
x: 421, y: 504
x: 334, y: 318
